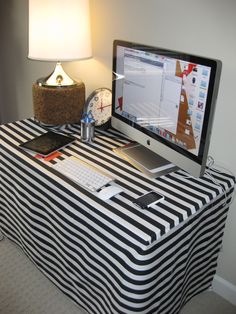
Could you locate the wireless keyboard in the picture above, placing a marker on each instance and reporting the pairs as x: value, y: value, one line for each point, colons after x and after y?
x: 82, y: 173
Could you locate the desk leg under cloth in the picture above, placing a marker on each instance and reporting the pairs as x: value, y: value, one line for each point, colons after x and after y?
x: 1, y: 235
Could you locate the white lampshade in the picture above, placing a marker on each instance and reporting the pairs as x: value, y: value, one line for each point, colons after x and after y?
x: 59, y: 30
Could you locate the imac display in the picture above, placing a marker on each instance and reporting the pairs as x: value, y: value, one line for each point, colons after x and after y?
x: 164, y: 100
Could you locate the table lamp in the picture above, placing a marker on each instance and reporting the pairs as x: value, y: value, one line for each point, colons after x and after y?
x: 59, y: 31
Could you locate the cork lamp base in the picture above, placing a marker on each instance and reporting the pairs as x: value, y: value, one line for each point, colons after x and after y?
x: 58, y: 105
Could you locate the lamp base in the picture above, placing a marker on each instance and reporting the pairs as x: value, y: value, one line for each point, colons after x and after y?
x: 59, y: 105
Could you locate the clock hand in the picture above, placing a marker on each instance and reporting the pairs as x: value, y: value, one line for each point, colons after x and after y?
x: 102, y: 107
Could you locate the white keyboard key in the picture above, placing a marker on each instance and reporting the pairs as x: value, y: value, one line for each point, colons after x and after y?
x: 82, y: 173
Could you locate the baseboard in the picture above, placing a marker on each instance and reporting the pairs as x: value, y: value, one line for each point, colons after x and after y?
x: 225, y: 289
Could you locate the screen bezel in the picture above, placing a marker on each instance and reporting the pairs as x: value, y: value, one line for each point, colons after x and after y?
x: 215, y: 66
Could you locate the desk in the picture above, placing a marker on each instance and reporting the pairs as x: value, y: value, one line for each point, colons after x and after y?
x: 111, y: 257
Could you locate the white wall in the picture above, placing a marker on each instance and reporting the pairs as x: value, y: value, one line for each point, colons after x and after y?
x: 203, y: 27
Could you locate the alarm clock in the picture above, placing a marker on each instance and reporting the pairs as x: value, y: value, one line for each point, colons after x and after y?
x: 99, y: 104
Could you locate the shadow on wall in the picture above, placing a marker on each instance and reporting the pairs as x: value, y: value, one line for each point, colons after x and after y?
x: 11, y: 54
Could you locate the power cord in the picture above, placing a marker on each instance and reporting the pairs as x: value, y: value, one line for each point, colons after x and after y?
x: 208, y: 174
x: 210, y: 165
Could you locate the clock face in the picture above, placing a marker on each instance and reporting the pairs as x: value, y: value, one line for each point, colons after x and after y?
x: 99, y: 103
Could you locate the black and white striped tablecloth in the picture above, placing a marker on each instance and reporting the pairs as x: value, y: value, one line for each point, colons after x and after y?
x: 111, y: 257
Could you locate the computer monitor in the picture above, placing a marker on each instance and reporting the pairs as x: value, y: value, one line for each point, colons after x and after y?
x: 164, y: 100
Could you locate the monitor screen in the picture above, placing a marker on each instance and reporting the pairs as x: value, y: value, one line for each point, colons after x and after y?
x: 165, y: 101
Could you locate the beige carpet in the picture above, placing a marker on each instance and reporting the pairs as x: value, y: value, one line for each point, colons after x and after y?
x: 25, y: 290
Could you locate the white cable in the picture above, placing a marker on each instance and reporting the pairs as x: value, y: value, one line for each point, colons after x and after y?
x: 211, y: 162
x: 208, y: 174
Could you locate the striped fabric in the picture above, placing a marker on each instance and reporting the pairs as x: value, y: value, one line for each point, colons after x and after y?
x: 111, y: 257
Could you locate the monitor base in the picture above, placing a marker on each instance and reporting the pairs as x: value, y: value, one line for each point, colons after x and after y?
x: 145, y: 160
